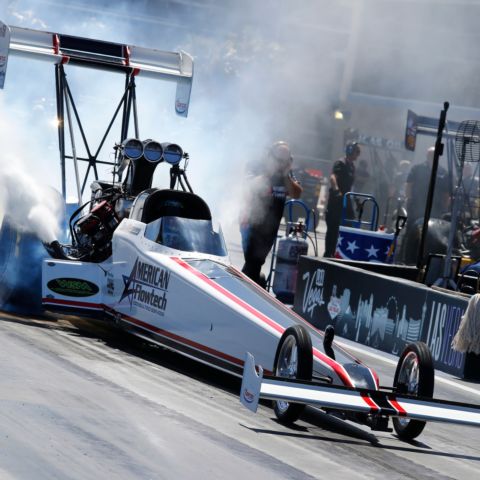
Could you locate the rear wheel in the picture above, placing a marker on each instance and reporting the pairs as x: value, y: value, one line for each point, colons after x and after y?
x: 293, y: 359
x: 415, y: 376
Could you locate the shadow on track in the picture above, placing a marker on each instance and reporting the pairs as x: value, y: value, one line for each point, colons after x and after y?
x: 114, y: 337
x: 331, y: 424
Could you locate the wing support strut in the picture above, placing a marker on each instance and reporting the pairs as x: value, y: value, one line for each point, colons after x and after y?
x: 129, y: 60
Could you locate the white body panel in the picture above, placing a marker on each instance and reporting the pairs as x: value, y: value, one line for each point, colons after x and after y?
x: 191, y: 302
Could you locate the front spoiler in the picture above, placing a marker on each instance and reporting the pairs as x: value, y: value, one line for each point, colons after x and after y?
x: 374, y: 402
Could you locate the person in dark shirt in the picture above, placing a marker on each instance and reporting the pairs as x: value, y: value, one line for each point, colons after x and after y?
x: 269, y: 187
x: 416, y: 192
x: 341, y: 181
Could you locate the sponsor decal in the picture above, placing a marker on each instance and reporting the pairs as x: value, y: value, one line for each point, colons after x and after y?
x: 313, y: 294
x: 147, y: 287
x: 110, y: 284
x: 279, y: 192
x: 334, y: 307
x: 73, y: 287
x: 134, y: 230
x: 180, y: 107
x: 248, y: 396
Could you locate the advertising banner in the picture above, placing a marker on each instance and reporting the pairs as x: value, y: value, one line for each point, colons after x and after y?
x: 382, y: 312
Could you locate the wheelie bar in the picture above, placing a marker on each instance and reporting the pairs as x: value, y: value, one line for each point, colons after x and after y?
x: 375, y: 402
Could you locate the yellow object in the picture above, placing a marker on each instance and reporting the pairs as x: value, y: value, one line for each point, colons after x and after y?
x: 464, y: 261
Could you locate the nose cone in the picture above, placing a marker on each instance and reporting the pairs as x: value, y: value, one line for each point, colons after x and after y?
x: 361, y: 376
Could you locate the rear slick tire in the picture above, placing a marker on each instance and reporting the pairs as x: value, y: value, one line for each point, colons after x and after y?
x: 293, y: 359
x: 414, y: 375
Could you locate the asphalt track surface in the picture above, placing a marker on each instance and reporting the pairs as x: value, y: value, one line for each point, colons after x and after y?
x: 80, y: 400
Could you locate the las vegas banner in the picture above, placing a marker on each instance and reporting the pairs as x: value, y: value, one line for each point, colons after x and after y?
x: 380, y: 311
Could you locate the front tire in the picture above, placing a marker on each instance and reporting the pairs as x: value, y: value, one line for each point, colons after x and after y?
x: 293, y: 359
x: 414, y: 375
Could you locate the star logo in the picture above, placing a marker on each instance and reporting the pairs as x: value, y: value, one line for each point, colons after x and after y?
x: 372, y: 251
x: 127, y: 281
x: 339, y: 241
x: 352, y: 246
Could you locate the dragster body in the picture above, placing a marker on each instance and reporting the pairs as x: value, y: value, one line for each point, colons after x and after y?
x: 193, y: 302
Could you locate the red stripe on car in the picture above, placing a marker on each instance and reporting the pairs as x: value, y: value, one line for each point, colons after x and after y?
x: 56, y: 44
x: 230, y: 295
x: 180, y: 339
x: 58, y: 301
x: 338, y: 369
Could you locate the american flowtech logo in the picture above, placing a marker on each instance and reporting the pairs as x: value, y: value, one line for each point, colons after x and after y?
x: 146, y: 287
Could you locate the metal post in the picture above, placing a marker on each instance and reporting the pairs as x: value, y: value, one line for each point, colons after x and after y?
x: 126, y: 106
x: 135, y: 113
x: 59, y: 85
x: 74, y: 149
x: 431, y: 188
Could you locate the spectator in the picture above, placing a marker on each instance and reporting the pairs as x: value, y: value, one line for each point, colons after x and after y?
x: 341, y: 181
x: 268, y: 187
x: 471, y: 191
x: 401, y: 176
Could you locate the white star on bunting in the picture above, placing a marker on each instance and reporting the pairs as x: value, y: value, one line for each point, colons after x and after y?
x: 352, y: 246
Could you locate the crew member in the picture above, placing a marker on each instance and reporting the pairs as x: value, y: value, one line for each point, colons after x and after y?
x: 341, y: 181
x: 269, y: 185
x: 416, y: 191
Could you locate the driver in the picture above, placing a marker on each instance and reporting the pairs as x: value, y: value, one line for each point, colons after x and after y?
x: 269, y: 185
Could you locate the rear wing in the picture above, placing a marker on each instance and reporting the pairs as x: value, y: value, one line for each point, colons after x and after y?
x: 66, y: 49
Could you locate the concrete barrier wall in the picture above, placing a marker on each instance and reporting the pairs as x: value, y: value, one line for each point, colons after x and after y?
x: 380, y: 311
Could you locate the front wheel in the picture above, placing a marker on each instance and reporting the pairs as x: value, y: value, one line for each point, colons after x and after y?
x: 293, y: 359
x: 414, y: 376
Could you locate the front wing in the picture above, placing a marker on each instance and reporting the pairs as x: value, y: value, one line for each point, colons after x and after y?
x: 375, y: 402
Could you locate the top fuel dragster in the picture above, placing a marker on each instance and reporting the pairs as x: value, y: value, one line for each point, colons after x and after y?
x: 152, y: 261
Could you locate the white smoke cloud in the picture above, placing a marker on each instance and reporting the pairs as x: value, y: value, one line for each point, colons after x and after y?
x: 28, y: 205
x: 264, y: 71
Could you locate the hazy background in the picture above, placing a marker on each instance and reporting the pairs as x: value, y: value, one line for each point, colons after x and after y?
x: 264, y: 71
